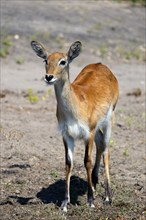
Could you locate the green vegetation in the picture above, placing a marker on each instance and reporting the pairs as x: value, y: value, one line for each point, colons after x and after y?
x: 129, y: 54
x: 103, y: 50
x: 20, y: 60
x: 143, y: 115
x: 129, y: 120
x: 120, y: 110
x: 54, y: 174
x: 33, y: 98
x: 4, y: 52
x: 95, y: 27
x: 111, y: 143
x: 141, y: 2
x: 48, y: 93
x: 45, y: 36
x: 34, y: 36
x: 125, y: 153
x: 6, y: 43
x: 98, y: 26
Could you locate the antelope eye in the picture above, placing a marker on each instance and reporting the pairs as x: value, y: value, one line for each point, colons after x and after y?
x: 63, y: 62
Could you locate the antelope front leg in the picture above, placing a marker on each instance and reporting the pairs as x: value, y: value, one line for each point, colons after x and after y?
x: 69, y: 146
x: 88, y: 164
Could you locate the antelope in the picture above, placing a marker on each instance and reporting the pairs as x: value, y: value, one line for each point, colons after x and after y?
x: 85, y: 109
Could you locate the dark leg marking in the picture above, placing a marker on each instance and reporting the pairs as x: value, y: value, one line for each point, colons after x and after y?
x: 99, y: 151
x: 87, y: 163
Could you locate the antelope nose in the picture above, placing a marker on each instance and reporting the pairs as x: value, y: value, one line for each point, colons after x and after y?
x: 48, y: 78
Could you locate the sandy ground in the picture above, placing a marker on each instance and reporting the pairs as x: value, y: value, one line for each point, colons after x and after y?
x: 32, y: 153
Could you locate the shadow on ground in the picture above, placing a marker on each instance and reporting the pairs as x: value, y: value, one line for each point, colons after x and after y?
x: 56, y: 191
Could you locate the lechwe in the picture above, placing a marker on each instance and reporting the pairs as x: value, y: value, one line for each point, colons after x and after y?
x: 84, y: 111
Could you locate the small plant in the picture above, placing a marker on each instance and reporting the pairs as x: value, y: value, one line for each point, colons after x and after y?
x: 44, y: 97
x: 33, y: 98
x: 34, y: 36
x: 98, y: 26
x: 54, y: 173
x: 1, y: 127
x: 103, y: 51
x: 120, y: 110
x: 7, y: 41
x: 46, y: 36
x: 20, y: 60
x: 6, y: 44
x: 111, y: 143
x: 130, y: 54
x: 125, y: 153
x: 4, y: 52
x: 141, y: 2
x: 129, y: 120
x: 143, y: 115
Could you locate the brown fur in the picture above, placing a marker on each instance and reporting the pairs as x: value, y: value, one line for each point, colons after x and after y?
x: 95, y: 89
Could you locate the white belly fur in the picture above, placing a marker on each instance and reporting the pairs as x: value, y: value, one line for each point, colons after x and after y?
x: 76, y: 130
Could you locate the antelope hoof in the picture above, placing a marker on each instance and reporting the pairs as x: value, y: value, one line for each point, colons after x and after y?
x: 92, y: 206
x: 64, y: 209
x: 93, y: 188
x: 90, y: 203
x: 64, y: 206
x: 107, y: 201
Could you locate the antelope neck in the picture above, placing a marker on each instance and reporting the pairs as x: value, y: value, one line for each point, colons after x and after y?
x: 63, y: 91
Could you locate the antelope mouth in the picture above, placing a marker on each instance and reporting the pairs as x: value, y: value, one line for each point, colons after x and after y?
x: 50, y: 79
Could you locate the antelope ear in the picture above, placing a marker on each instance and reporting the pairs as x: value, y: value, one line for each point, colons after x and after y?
x: 39, y: 49
x: 74, y: 50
